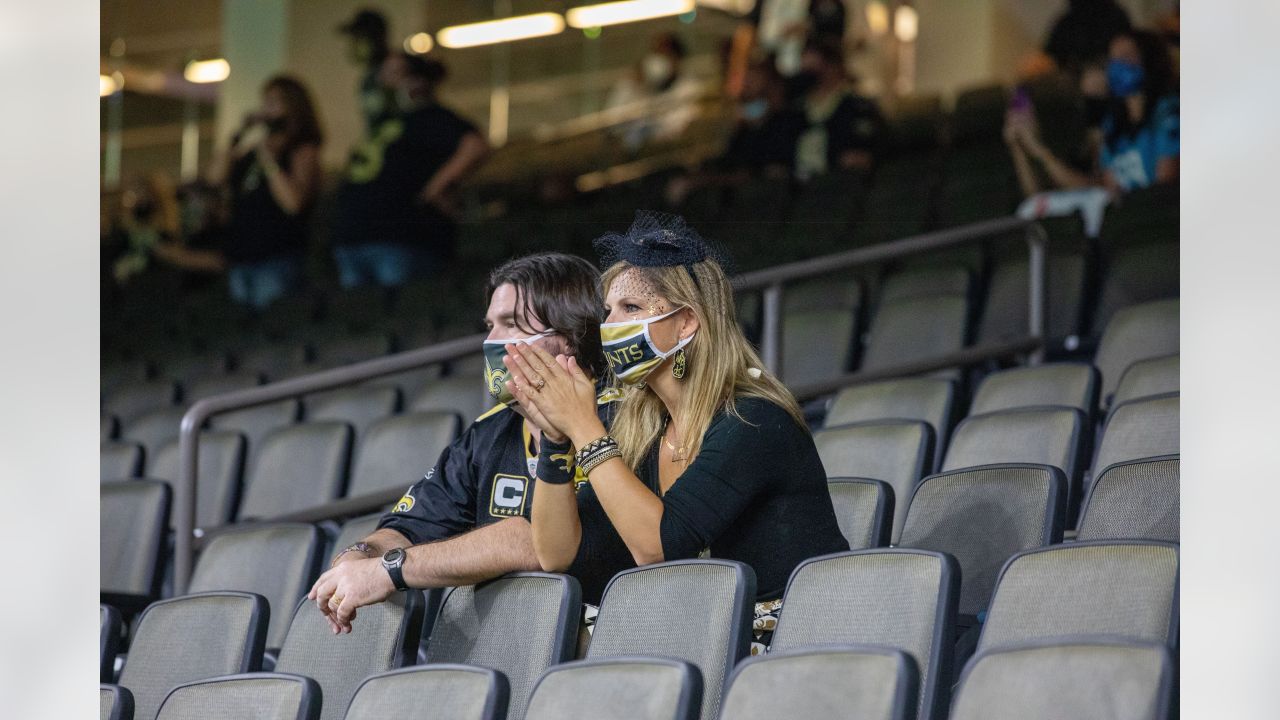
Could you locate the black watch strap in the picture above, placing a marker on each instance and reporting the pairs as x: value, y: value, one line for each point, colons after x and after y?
x: 393, y: 561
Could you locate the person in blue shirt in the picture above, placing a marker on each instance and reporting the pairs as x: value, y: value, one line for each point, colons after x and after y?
x: 1137, y: 145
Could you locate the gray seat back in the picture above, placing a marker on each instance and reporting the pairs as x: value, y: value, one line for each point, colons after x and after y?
x: 128, y: 402
x: 278, y: 562
x: 864, y: 510
x: 817, y: 344
x: 519, y: 624
x: 1147, y: 378
x: 452, y: 692
x: 108, y: 641
x: 1140, y: 429
x: 1138, y: 273
x: 981, y: 516
x: 1061, y: 384
x: 220, y: 384
x: 896, y: 452
x: 395, y: 450
x: 1041, y: 436
x: 120, y: 461
x: 893, y: 598
x: 116, y: 703
x: 256, y: 423
x: 825, y: 682
x: 351, y: 350
x: 261, y: 696
x: 638, y: 688
x: 355, y: 530
x: 1133, y: 500
x: 152, y: 430
x: 297, y: 468
x: 925, y: 282
x: 699, y: 611
x: 1123, y: 588
x: 359, y: 407
x: 192, y: 638
x: 1135, y: 333
x: 134, y: 517
x: 921, y: 328
x: 220, y: 460
x: 383, y: 636
x: 462, y: 394
x: 1004, y: 314
x: 928, y: 400
x: 1070, y: 677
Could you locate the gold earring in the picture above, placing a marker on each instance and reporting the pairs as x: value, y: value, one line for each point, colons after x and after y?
x: 680, y: 365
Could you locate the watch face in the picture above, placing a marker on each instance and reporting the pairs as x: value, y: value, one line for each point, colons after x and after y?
x: 393, y: 556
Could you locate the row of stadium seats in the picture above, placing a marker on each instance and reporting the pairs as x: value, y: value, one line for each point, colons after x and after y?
x: 678, y: 630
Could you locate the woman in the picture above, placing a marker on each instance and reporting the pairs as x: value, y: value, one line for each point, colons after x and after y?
x: 272, y: 174
x: 708, y: 453
x: 1139, y: 142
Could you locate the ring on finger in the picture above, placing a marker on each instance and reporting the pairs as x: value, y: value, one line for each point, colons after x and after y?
x: 335, y: 601
x: 542, y: 382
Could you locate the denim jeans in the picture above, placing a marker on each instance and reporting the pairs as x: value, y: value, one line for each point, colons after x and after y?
x: 384, y: 264
x: 261, y: 283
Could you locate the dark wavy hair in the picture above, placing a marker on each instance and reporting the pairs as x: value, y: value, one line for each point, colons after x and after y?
x: 302, y: 126
x: 563, y: 292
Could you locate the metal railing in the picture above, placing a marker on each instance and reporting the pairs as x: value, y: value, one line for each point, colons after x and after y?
x: 770, y: 281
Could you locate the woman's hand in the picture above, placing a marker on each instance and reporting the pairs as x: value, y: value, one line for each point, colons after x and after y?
x: 556, y: 391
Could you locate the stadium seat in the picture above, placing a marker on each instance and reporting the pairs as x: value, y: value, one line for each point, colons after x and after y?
x: 383, y: 636
x: 108, y: 641
x: 126, y: 373
x: 896, y: 452
x: 981, y: 516
x: 278, y: 562
x: 351, y: 350
x: 1139, y: 332
x: 152, y: 430
x: 297, y: 468
x: 1133, y: 500
x: 463, y: 394
x: 431, y: 692
x: 274, y: 361
x: 116, y: 702
x: 1076, y: 678
x: 359, y: 308
x: 410, y: 382
x: 864, y: 510
x: 925, y: 282
x: 359, y: 407
x: 355, y: 530
x: 398, y: 450
x: 1004, y: 314
x: 110, y: 428
x: 817, y: 344
x: 1126, y: 588
x: 1145, y: 378
x: 134, y: 517
x: 255, y: 423
x: 892, y: 598
x: 120, y: 461
x: 840, y: 291
x: 1134, y: 275
x: 1064, y: 384
x: 819, y: 215
x: 638, y: 688
x: 918, y: 329
x: 261, y: 696
x: 220, y: 384
x: 1139, y: 429
x: 183, y: 370
x: 929, y: 400
x: 130, y: 401
x: 825, y: 683
x: 220, y: 460
x: 1040, y: 435
x: 699, y: 611
x: 192, y: 637
x: 519, y: 625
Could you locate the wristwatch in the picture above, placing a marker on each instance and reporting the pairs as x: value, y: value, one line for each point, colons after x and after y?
x: 393, y: 561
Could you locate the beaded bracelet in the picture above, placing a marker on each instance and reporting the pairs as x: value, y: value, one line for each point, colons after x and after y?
x: 600, y: 458
x: 555, y: 462
x: 596, y: 452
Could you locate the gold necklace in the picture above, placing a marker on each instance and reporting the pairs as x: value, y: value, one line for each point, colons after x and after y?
x: 678, y: 454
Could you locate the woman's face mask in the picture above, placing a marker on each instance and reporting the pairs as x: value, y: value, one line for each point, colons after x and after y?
x: 630, y: 350
x: 496, y: 373
x: 1124, y: 78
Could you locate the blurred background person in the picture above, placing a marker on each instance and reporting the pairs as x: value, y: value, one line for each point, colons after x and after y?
x: 149, y: 217
x: 1137, y: 144
x: 1082, y: 35
x: 367, y: 48
x: 395, y: 211
x: 843, y: 129
x: 658, y: 77
x: 270, y: 176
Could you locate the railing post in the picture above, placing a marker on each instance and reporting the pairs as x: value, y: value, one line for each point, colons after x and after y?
x: 771, y: 329
x: 1037, y: 290
x: 184, y: 501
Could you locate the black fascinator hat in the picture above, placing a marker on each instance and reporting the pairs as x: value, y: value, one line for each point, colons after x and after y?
x: 658, y: 239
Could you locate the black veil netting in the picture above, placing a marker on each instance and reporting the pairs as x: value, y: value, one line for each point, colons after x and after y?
x: 658, y: 239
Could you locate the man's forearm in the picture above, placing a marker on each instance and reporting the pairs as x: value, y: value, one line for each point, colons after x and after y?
x: 481, y: 554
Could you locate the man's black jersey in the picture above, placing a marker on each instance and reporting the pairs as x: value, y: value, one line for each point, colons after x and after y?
x: 484, y: 476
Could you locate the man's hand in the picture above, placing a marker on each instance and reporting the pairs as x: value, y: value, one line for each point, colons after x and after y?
x: 348, y: 585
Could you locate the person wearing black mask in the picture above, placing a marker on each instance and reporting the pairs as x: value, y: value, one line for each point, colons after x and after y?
x: 843, y: 128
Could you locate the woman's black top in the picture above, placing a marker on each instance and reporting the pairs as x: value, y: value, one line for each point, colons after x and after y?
x: 756, y: 492
x: 258, y: 228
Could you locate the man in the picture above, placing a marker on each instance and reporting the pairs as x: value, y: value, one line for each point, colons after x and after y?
x: 844, y: 128
x: 466, y: 521
x: 395, y: 208
x: 366, y: 34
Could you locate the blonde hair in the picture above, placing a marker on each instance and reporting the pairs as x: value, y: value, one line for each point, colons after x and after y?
x: 722, y: 365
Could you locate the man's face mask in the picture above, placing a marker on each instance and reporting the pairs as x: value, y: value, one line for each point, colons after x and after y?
x: 630, y: 349
x: 1124, y: 78
x: 496, y: 373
